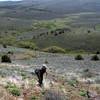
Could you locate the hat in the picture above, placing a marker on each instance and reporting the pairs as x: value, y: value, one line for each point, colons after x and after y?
x: 44, y: 65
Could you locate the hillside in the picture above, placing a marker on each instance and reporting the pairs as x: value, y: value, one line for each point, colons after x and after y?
x: 64, y: 35
x: 31, y: 20
x: 69, y: 79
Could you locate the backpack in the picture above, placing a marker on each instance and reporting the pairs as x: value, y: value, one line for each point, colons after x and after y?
x: 36, y: 70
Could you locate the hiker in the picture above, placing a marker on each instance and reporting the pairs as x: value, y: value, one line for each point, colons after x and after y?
x: 40, y: 73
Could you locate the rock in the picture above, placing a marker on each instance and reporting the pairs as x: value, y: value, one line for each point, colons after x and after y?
x: 20, y: 99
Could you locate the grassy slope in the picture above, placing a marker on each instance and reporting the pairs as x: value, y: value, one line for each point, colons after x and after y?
x: 72, y: 42
x: 29, y: 88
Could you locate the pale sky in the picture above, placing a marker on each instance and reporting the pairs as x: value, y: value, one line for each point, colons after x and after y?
x: 10, y: 0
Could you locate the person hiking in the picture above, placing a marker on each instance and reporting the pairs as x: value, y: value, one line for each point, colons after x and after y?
x: 40, y: 72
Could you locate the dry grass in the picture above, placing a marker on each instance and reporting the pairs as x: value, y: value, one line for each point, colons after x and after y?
x: 22, y: 57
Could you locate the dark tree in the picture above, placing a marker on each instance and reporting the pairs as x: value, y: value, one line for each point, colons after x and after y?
x: 5, y: 59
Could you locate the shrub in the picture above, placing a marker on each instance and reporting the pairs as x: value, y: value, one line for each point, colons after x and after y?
x: 46, y: 62
x: 8, y: 42
x: 97, y: 52
x: 10, y: 52
x: 28, y: 45
x: 34, y: 97
x: 86, y: 70
x: 5, y: 59
x: 82, y: 92
x: 54, y: 49
x: 98, y: 89
x: 69, y: 90
x: 95, y: 58
x: 15, y: 91
x: 97, y: 80
x: 78, y: 57
x: 9, y: 86
x: 73, y: 83
x: 4, y: 46
x: 44, y: 91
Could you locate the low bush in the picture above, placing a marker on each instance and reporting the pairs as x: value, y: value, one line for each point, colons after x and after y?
x: 82, y: 92
x: 4, y: 46
x: 79, y: 57
x: 95, y: 58
x: 15, y: 91
x: 97, y: 52
x: 44, y: 91
x: 28, y: 45
x: 86, y: 70
x: 69, y: 90
x: 98, y: 89
x: 46, y: 62
x: 34, y: 97
x: 9, y: 86
x: 73, y: 83
x: 97, y: 80
x: 6, y: 42
x: 10, y: 52
x: 54, y: 49
x: 5, y: 59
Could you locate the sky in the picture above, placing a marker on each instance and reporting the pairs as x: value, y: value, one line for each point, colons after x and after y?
x: 10, y: 0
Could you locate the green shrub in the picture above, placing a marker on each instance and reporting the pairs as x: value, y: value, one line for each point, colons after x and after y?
x: 5, y: 59
x: 6, y: 42
x: 86, y: 70
x: 98, y: 89
x: 9, y: 86
x: 82, y: 92
x: 15, y: 91
x: 78, y: 57
x: 54, y: 49
x: 34, y: 97
x: 97, y: 80
x: 28, y: 45
x: 95, y: 58
x: 69, y: 90
x: 97, y: 52
x: 24, y: 78
x: 44, y: 91
x: 73, y: 83
x: 46, y: 62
